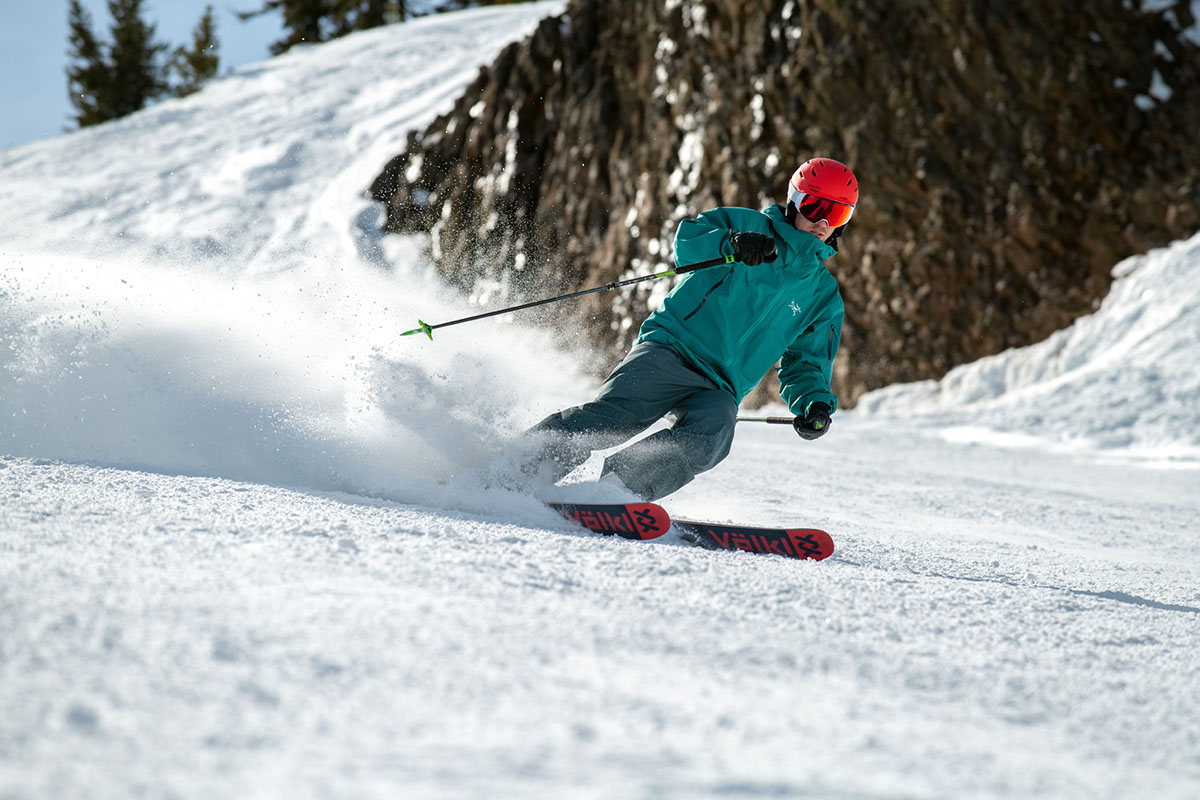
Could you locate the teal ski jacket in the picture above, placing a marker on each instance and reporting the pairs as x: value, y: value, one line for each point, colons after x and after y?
x: 733, y: 322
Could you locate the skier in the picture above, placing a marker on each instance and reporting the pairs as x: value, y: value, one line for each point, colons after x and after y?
x: 718, y: 332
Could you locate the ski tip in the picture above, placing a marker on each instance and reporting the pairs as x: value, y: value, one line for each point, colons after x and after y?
x: 657, y: 521
x: 823, y: 540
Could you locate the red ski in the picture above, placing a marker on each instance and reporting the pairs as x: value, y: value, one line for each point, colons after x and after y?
x: 805, y: 543
x: 628, y: 520
x: 650, y: 521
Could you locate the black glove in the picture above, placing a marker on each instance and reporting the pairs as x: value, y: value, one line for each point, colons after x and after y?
x: 753, y: 249
x: 813, y: 424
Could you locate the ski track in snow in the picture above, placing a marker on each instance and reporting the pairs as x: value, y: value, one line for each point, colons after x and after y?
x: 246, y: 548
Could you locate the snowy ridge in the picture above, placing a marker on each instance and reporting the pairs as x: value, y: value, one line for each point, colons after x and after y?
x: 264, y: 171
x: 246, y: 547
x: 1125, y: 380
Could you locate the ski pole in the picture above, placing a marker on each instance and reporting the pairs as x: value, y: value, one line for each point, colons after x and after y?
x: 428, y: 329
x: 769, y: 420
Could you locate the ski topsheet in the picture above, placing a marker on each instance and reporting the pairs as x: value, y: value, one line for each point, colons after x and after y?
x: 629, y: 520
x: 804, y: 543
x: 650, y: 521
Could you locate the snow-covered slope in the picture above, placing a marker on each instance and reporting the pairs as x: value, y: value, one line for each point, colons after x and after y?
x: 1123, y: 381
x: 245, y: 549
x: 263, y: 171
x: 201, y: 287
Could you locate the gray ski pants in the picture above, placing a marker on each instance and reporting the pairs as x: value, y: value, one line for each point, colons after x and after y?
x: 649, y: 383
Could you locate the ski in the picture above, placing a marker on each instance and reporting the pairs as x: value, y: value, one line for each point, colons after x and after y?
x: 650, y: 521
x: 803, y: 543
x: 628, y: 520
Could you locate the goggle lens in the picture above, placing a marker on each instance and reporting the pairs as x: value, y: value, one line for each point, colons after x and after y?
x: 815, y: 209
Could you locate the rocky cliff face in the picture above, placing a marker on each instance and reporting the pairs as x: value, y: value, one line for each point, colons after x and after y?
x: 1009, y: 155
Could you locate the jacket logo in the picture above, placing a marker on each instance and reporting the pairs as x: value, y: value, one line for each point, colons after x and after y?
x: 796, y: 309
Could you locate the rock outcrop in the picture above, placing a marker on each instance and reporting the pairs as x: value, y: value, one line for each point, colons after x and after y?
x: 1009, y: 154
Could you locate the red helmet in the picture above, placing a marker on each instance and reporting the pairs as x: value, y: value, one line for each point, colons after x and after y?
x: 827, y: 179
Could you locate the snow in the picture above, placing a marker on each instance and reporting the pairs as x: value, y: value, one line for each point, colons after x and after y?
x: 230, y: 317
x: 1122, y: 383
x: 1159, y: 89
x: 248, y: 546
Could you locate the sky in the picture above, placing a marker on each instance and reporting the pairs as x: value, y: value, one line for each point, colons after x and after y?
x: 33, y: 53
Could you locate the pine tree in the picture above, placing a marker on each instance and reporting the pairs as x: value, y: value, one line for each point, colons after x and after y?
x: 313, y: 21
x: 109, y: 82
x: 459, y: 5
x: 196, y: 65
x: 360, y: 15
x: 301, y: 19
x: 135, y: 57
x: 87, y: 74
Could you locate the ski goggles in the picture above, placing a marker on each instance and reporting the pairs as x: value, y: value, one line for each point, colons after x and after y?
x: 816, y: 209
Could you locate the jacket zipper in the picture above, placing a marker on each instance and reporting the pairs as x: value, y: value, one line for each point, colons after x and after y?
x: 770, y: 310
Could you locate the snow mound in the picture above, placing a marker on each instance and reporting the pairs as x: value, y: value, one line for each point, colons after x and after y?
x: 1125, y: 379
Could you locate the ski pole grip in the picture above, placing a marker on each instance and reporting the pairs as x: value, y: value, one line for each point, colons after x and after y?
x: 712, y: 262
